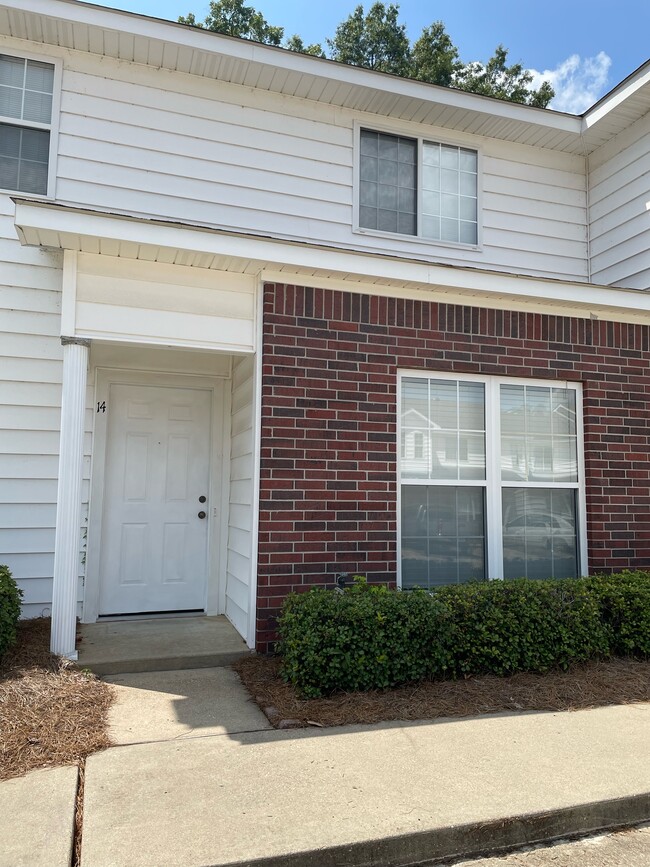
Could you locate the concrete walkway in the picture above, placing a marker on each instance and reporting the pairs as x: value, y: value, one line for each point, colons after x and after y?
x: 385, y: 795
x: 37, y: 818
x: 199, y: 779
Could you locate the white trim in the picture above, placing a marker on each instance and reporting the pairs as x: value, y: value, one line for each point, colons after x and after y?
x: 52, y: 127
x: 104, y: 378
x: 280, y: 59
x: 269, y: 257
x: 257, y: 462
x: 69, y: 293
x: 68, y: 511
x: 493, y: 483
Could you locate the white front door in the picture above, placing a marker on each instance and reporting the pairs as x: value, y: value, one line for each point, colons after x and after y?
x: 154, y: 540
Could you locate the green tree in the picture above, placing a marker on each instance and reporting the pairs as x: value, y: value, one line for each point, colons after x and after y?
x: 434, y: 57
x: 496, y: 78
x: 232, y: 18
x: 295, y: 43
x: 376, y: 40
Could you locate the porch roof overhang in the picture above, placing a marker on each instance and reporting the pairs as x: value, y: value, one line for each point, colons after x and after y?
x: 62, y: 227
x: 136, y: 38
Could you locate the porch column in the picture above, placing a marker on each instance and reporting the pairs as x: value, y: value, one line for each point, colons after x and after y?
x: 68, y: 511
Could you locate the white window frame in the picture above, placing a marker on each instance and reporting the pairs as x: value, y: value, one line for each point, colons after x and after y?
x: 52, y: 127
x: 405, y: 132
x: 493, y: 483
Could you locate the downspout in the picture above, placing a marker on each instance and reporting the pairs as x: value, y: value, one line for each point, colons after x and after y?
x: 585, y: 155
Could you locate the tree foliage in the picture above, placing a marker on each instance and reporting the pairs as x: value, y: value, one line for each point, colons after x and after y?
x: 378, y: 40
x: 496, y: 78
x: 232, y: 18
x: 375, y: 41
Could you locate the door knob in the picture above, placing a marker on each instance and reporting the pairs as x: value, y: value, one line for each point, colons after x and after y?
x: 202, y: 498
x: 201, y: 514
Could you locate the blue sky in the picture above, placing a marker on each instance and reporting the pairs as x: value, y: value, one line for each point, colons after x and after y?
x: 584, y: 46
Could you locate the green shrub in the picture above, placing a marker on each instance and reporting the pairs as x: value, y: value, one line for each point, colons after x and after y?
x: 624, y: 602
x: 373, y: 638
x: 10, y: 597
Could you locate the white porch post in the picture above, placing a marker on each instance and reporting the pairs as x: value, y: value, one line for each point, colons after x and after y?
x: 68, y: 512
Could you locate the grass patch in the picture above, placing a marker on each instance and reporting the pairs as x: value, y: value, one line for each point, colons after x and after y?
x: 51, y: 712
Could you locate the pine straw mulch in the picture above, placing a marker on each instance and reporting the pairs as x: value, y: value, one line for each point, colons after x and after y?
x: 587, y: 685
x: 51, y: 712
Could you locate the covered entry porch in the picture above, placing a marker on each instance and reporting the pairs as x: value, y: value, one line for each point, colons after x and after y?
x: 157, y: 480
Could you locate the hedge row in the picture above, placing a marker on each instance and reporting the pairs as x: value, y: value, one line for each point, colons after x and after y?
x: 10, y: 597
x: 371, y: 638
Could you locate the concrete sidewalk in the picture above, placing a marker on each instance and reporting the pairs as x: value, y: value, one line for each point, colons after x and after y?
x: 200, y: 780
x: 390, y: 794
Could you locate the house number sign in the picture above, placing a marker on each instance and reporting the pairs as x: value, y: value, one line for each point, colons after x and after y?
x: 101, y: 406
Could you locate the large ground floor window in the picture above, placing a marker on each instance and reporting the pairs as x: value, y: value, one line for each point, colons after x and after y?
x: 491, y: 479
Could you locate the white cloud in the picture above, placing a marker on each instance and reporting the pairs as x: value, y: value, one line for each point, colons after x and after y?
x: 578, y: 82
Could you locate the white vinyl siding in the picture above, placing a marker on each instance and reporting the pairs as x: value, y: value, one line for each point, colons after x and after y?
x: 240, y: 515
x: 197, y: 151
x: 619, y: 217
x: 30, y: 413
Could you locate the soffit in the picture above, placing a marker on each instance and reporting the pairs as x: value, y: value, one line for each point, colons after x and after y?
x: 136, y: 38
x: 63, y: 227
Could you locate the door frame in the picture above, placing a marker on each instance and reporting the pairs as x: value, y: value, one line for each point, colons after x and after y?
x: 218, y: 488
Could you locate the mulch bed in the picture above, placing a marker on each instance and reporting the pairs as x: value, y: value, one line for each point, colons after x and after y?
x: 587, y: 685
x: 51, y: 712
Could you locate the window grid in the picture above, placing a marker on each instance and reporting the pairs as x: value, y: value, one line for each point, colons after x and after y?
x: 411, y: 186
x: 495, y: 487
x: 27, y: 89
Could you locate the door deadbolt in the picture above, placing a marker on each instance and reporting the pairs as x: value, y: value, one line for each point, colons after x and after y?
x: 201, y: 514
x: 202, y: 498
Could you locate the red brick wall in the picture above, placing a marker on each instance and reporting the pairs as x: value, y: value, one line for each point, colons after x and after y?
x: 329, y: 418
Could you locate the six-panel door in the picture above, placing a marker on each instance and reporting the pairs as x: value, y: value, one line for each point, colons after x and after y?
x: 154, y: 544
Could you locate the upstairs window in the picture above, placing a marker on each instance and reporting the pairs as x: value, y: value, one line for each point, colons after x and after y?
x: 411, y: 186
x: 26, y: 97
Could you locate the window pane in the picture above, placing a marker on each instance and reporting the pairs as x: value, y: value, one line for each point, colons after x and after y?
x: 39, y: 76
x: 468, y: 160
x: 37, y: 107
x: 431, y: 227
x: 449, y: 156
x: 23, y: 159
x: 453, y: 549
x: 449, y: 181
x: 467, y: 209
x: 368, y: 217
x: 450, y: 415
x: 538, y: 434
x: 471, y: 456
x: 32, y: 177
x: 467, y: 184
x: 11, y: 102
x: 431, y: 154
x: 449, y: 230
x: 430, y: 202
x: 387, y: 168
x: 564, y: 411
x: 471, y: 414
x: 468, y: 233
x: 12, y: 71
x: 444, y: 403
x: 539, y: 533
x: 26, y: 88
x: 8, y: 173
x: 449, y: 206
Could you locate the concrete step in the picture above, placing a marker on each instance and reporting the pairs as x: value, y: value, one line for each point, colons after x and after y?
x: 165, y: 644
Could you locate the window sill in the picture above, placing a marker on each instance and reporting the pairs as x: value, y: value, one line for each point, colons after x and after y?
x: 415, y: 239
